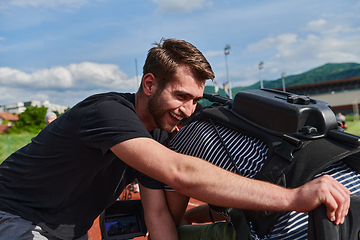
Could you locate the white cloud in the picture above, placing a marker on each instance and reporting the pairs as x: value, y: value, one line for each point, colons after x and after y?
x: 213, y: 53
x: 184, y: 6
x: 317, y: 23
x: 273, y: 42
x: 248, y: 75
x: 63, y: 85
x: 330, y: 28
x: 45, y: 3
x: 67, y: 98
x: 83, y: 76
x: 322, y: 43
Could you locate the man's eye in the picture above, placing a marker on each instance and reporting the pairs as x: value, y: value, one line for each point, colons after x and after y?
x: 196, y: 100
x: 181, y: 96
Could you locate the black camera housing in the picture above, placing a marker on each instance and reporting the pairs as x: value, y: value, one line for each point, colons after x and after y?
x: 123, y: 220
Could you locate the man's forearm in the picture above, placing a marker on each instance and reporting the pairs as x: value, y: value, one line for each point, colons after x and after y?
x: 199, y: 179
x: 222, y: 188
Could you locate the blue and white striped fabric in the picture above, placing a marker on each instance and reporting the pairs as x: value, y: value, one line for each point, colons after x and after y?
x: 200, y: 139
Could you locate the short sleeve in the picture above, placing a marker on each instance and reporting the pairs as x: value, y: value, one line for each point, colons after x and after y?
x: 110, y: 122
x: 149, y: 182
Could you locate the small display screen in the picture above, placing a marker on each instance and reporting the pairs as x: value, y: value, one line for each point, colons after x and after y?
x: 119, y: 225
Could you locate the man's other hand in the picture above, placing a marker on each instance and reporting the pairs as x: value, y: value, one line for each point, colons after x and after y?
x: 324, y: 190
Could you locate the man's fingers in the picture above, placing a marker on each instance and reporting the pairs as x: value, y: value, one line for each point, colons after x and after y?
x: 344, y: 196
x: 337, y: 201
x: 324, y: 190
x: 331, y: 206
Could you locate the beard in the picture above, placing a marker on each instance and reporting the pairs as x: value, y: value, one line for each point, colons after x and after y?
x: 157, y: 111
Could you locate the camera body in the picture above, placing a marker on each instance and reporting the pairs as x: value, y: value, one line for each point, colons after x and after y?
x: 123, y: 220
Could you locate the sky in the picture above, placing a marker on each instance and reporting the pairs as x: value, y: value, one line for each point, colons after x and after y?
x: 65, y: 50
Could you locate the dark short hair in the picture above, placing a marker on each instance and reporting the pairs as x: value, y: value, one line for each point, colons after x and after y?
x: 163, y: 60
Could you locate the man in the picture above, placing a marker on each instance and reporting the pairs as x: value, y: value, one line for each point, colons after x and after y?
x: 200, y: 139
x: 80, y: 163
x: 342, y: 119
x: 49, y: 117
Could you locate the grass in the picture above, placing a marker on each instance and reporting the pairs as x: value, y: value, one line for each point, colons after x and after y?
x: 11, y: 143
x: 353, y: 127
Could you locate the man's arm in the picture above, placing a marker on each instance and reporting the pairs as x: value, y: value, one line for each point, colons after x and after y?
x: 199, y: 179
x: 159, y: 221
x: 177, y: 204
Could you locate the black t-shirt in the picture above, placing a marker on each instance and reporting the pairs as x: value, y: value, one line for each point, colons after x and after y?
x: 68, y: 175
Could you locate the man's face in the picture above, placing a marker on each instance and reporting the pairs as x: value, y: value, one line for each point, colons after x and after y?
x: 50, y: 119
x: 177, y: 100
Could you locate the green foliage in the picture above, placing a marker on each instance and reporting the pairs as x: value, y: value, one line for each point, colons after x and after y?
x: 5, y: 121
x: 57, y: 113
x: 327, y: 72
x: 31, y: 120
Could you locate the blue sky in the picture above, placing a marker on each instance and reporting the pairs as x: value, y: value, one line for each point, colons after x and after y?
x: 66, y: 50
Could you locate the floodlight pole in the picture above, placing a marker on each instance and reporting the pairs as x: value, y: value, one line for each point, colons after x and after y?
x: 227, y: 51
x: 283, y: 76
x: 261, y: 65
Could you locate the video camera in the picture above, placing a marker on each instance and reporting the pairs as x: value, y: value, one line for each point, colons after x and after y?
x: 123, y: 220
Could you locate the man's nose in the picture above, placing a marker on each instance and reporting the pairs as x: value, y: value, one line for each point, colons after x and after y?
x: 188, y: 108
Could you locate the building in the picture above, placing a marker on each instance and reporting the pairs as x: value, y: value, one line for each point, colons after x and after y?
x: 19, y: 107
x: 14, y: 108
x: 7, y: 116
x: 343, y: 94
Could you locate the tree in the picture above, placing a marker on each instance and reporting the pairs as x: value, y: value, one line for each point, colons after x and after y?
x: 31, y: 120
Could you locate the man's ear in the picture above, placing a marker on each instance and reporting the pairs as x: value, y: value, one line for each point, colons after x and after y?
x: 149, y: 84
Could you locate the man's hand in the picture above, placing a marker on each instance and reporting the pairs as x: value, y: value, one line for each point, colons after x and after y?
x: 324, y: 190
